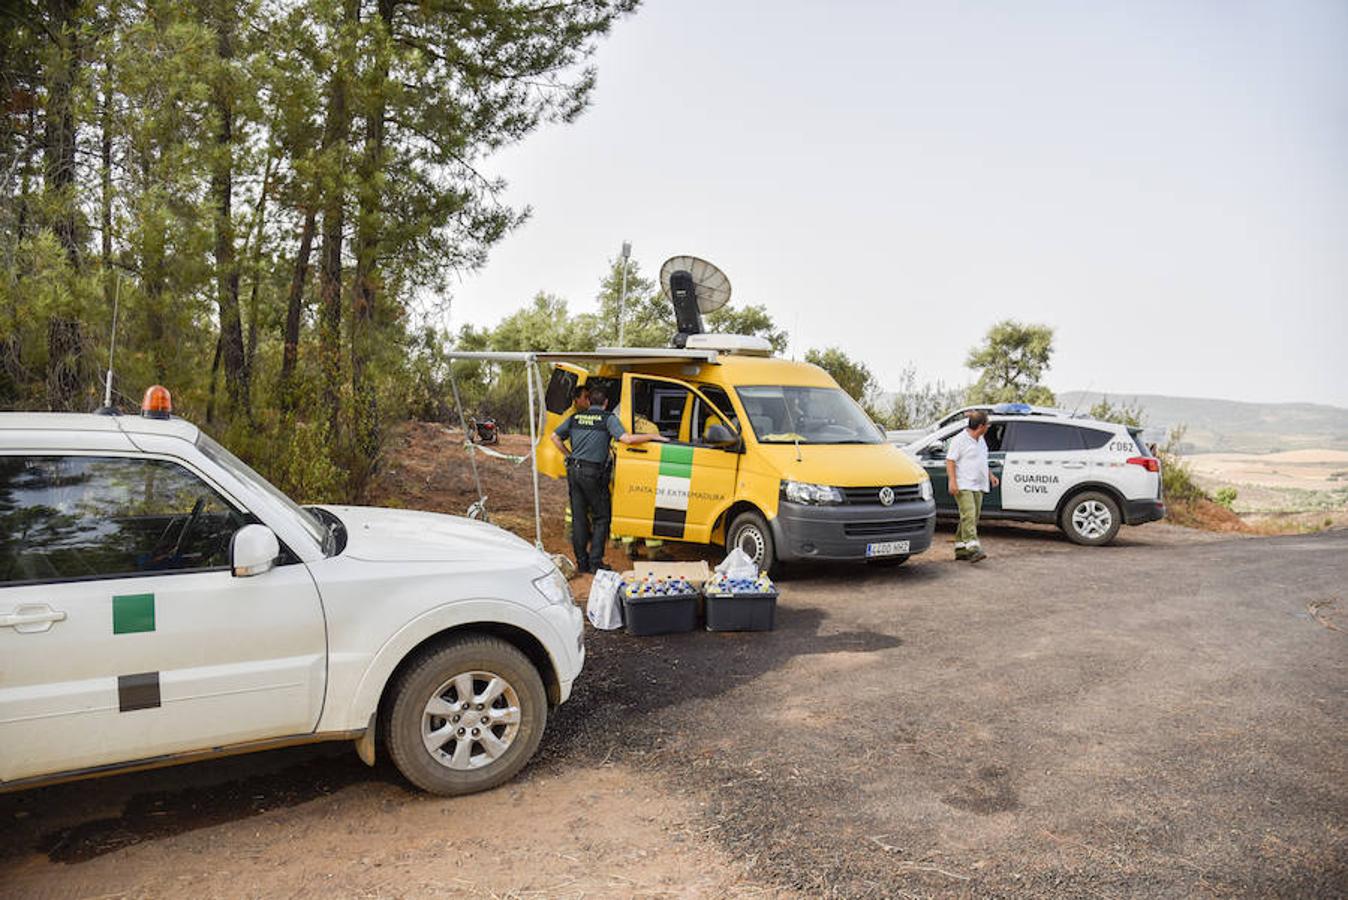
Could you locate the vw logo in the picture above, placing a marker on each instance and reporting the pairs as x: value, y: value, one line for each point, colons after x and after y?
x: 887, y: 495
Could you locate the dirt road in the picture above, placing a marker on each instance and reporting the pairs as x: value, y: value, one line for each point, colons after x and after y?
x: 1160, y: 718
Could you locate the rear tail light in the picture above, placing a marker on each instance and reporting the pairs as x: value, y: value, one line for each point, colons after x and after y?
x: 1150, y: 463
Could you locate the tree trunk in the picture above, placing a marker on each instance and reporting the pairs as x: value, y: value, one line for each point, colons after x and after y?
x: 64, y: 333
x: 294, y: 311
x: 336, y: 135
x: 259, y: 225
x: 222, y: 193
x: 210, y: 391
x: 59, y: 133
x: 369, y: 226
x: 105, y: 180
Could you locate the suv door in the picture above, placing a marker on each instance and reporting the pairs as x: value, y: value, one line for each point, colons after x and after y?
x: 675, y: 489
x: 124, y: 634
x: 933, y: 460
x: 1043, y: 460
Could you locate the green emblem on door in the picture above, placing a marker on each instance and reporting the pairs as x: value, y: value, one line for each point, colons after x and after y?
x: 132, y: 613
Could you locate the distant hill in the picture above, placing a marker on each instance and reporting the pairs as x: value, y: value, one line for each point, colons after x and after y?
x: 1230, y: 426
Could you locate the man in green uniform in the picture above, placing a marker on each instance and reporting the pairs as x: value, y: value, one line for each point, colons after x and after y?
x: 587, y: 475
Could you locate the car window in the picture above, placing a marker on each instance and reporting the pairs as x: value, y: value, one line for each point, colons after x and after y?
x: 75, y: 517
x: 722, y: 400
x: 705, y: 415
x: 1094, y: 438
x: 1031, y: 437
x: 657, y: 407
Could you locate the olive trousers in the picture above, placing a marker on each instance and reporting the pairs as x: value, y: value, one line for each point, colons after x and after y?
x: 970, y: 505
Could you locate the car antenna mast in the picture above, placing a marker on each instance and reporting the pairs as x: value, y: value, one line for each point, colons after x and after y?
x: 108, y: 408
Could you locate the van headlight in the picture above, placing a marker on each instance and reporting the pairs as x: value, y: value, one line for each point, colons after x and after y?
x: 812, y: 494
x: 553, y: 586
x: 925, y: 484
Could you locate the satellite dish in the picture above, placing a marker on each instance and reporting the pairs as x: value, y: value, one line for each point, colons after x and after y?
x: 710, y: 283
x: 694, y: 286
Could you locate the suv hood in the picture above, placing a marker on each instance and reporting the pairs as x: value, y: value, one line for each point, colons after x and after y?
x: 377, y: 534
x: 843, y: 465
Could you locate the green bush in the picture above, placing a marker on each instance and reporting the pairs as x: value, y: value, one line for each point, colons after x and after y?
x: 1177, y: 478
x: 1225, y: 497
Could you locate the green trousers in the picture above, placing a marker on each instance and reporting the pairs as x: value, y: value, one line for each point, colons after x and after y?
x: 970, y: 504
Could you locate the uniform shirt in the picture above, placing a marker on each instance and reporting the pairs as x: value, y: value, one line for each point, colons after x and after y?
x: 590, y: 432
x: 971, y: 462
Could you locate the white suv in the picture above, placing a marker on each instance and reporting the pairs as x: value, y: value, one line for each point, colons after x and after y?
x: 1085, y: 476
x: 161, y: 602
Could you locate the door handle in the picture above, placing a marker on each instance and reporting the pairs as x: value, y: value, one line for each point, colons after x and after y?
x: 32, y: 618
x: 1074, y: 465
x: 637, y: 450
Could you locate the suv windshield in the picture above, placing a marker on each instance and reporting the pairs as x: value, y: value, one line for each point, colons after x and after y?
x: 240, y: 470
x: 808, y: 415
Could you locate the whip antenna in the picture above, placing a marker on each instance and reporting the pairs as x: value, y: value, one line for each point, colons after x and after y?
x: 108, y: 408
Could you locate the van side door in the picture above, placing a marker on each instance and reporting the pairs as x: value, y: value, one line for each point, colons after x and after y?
x: 672, y: 490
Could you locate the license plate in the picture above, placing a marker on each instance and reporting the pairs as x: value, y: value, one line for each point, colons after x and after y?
x: 887, y: 548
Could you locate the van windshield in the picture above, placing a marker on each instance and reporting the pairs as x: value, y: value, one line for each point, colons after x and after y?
x: 806, y: 415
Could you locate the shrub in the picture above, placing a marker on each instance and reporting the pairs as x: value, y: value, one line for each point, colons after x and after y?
x: 1176, y: 477
x: 1225, y: 497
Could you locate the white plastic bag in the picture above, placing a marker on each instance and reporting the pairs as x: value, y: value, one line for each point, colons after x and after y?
x: 602, y: 606
x: 737, y: 564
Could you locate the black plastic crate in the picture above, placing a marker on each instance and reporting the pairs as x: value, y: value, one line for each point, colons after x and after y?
x: 742, y: 612
x: 660, y: 614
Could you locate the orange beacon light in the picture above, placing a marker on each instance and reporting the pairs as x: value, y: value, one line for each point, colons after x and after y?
x: 158, y: 404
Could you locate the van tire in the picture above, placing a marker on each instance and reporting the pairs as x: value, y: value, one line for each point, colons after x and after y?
x: 750, y: 531
x: 432, y: 676
x: 1091, y: 518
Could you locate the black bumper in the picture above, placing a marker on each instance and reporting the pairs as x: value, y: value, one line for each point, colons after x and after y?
x: 842, y: 532
x: 1136, y: 512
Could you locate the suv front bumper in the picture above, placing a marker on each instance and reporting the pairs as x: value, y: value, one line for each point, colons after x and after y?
x: 842, y: 532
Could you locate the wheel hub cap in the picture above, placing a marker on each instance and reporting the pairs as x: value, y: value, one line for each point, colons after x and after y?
x: 471, y: 720
x: 1092, y: 519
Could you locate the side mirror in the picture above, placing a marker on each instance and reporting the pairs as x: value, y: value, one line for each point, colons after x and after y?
x: 935, y: 450
x: 253, y: 550
x: 721, y: 436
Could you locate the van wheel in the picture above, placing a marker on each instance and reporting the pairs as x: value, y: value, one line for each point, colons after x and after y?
x: 1091, y: 518
x: 465, y: 716
x: 749, y: 531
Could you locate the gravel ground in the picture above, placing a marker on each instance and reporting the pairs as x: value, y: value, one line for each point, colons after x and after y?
x: 1160, y: 718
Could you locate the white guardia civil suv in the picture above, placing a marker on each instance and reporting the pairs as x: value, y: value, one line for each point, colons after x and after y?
x: 161, y: 602
x: 1085, y: 476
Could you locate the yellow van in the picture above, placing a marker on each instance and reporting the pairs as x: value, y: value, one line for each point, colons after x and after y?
x: 764, y: 454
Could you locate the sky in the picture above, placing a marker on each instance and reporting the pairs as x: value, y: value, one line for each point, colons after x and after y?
x: 1164, y: 183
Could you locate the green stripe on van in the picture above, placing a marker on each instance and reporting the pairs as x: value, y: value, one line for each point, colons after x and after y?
x: 676, y: 461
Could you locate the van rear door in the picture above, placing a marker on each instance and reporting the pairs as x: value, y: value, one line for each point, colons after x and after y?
x: 557, y: 405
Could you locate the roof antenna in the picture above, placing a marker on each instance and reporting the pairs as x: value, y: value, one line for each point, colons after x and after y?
x: 108, y: 409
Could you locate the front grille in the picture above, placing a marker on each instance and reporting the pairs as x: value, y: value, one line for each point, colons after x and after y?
x: 894, y: 528
x: 871, y: 495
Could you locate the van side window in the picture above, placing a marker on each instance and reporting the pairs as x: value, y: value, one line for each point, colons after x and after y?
x: 1041, y: 437
x: 76, y: 517
x: 658, y: 406
x: 722, y: 401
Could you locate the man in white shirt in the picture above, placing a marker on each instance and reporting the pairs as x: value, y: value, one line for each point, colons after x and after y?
x: 966, y: 464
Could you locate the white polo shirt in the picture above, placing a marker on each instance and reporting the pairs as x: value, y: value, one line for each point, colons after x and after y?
x: 971, y: 462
